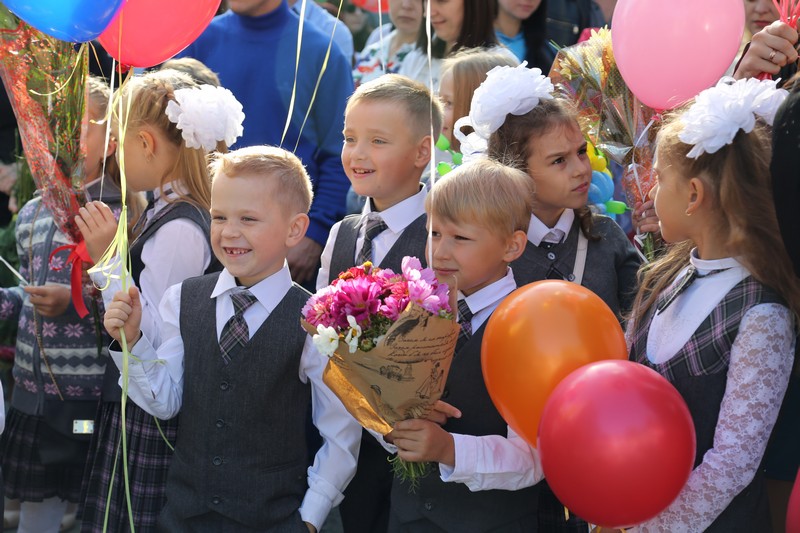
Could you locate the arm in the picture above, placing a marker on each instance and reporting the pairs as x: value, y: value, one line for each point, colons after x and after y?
x: 335, y: 463
x: 155, y: 378
x: 761, y: 362
x: 627, y: 263
x: 325, y: 259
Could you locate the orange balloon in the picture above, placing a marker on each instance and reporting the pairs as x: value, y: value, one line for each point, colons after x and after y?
x: 535, y: 338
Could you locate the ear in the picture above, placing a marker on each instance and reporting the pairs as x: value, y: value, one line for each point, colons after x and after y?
x: 423, y: 152
x: 515, y: 246
x: 297, y: 229
x: 147, y: 141
x: 695, y: 195
x: 111, y: 147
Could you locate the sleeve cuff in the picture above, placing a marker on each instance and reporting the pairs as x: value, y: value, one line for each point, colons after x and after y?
x: 466, y: 456
x: 315, y: 508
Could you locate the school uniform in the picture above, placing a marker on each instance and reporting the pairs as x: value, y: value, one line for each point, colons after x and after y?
x: 240, y: 457
x: 174, y: 244
x: 365, y: 508
x: 492, y: 486
x: 726, y: 342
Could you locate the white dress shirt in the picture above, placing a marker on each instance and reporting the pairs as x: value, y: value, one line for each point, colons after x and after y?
x: 397, y: 219
x: 538, y: 232
x: 156, y: 383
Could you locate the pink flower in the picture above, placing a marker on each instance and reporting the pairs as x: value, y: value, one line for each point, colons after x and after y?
x: 413, y: 271
x: 318, y: 308
x: 358, y: 298
x: 393, y: 306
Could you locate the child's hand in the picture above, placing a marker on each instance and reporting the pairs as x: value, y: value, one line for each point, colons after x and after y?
x: 98, y: 227
x: 644, y: 217
x: 124, y: 313
x: 310, y: 527
x: 770, y: 49
x: 441, y: 412
x: 49, y: 300
x: 422, y: 441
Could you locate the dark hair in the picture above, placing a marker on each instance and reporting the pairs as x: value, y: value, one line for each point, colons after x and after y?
x: 477, y: 29
x: 534, y: 29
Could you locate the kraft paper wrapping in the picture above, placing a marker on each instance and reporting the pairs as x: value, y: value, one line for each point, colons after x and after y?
x: 402, y: 377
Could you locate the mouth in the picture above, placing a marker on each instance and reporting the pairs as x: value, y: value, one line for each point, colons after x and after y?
x: 235, y: 252
x: 362, y: 172
x: 582, y: 188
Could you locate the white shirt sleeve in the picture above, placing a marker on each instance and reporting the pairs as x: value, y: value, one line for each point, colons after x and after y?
x: 335, y: 463
x: 493, y: 462
x: 325, y: 258
x: 760, y: 366
x: 155, y: 378
x: 177, y: 250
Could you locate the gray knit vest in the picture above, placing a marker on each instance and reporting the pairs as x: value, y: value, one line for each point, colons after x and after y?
x: 241, y: 449
x: 439, y: 506
x: 411, y: 243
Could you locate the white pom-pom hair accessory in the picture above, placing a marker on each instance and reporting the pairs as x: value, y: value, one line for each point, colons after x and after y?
x: 718, y: 113
x: 206, y: 115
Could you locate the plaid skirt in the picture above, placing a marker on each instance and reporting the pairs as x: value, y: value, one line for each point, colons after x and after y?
x: 148, y: 463
x: 26, y: 478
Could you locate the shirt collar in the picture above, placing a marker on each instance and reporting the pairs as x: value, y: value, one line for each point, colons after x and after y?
x: 538, y: 231
x: 401, y: 215
x: 491, y: 295
x: 706, y: 265
x: 269, y: 291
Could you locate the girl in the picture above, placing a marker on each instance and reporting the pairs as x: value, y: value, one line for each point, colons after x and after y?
x: 716, y: 315
x: 540, y: 135
x: 387, y: 54
x: 172, y: 245
x: 522, y: 26
x: 60, y: 357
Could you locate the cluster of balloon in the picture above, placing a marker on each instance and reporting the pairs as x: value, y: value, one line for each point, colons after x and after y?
x: 601, y: 190
x: 443, y: 167
x: 137, y: 33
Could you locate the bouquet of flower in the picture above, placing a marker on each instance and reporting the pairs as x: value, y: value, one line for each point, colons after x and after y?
x: 613, y: 118
x: 390, y: 339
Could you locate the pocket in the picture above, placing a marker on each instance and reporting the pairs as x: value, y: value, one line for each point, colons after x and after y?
x: 63, y: 433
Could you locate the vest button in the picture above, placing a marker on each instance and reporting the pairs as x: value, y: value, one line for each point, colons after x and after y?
x: 224, y: 385
x: 217, y: 461
x: 445, y: 392
x: 216, y: 500
x: 220, y: 423
x: 551, y: 256
x: 428, y: 505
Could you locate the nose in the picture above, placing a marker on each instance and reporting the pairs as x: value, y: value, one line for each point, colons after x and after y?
x: 229, y: 229
x: 653, y: 192
x: 763, y: 6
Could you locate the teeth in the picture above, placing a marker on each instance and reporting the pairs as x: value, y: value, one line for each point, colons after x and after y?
x: 236, y: 251
x: 361, y: 171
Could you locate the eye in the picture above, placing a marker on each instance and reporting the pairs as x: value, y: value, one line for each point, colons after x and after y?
x: 348, y: 139
x: 583, y: 151
x: 248, y: 219
x: 558, y: 160
x: 218, y: 218
x: 379, y: 141
x: 435, y: 234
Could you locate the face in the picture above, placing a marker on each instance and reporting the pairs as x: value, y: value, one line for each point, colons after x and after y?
x: 96, y: 151
x: 447, y: 17
x: 250, y: 232
x: 472, y: 254
x: 381, y: 156
x: 561, y: 171
x: 519, y: 9
x: 406, y: 15
x: 670, y: 195
x: 253, y: 8
x: 446, y: 95
x: 354, y: 18
x: 759, y: 14
x: 134, y: 158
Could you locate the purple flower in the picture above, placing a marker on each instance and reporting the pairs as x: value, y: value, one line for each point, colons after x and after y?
x: 73, y: 330
x: 50, y: 388
x: 6, y: 310
x: 57, y: 262
x: 49, y: 329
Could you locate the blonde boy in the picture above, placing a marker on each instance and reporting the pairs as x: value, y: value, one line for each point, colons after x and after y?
x: 240, y: 459
x: 478, y: 216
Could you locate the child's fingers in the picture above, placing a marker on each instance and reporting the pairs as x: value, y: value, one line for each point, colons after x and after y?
x: 122, y: 296
x: 447, y: 409
x: 133, y: 294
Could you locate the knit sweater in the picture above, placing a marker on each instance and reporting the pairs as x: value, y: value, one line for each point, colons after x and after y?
x: 74, y: 348
x: 255, y: 58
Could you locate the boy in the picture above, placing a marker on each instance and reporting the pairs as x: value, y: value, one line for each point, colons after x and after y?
x: 479, y: 216
x: 387, y: 146
x: 240, y: 458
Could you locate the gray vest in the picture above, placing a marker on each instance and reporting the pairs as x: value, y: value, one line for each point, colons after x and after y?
x: 440, y: 506
x: 241, y: 449
x: 411, y: 242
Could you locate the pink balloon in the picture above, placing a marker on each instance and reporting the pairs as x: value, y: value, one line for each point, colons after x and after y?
x: 670, y: 50
x: 148, y: 32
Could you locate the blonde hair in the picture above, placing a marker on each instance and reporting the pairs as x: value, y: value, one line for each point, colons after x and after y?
x: 486, y: 193
x: 291, y: 188
x: 469, y: 67
x: 423, y: 110
x: 149, y: 95
x: 98, y: 94
x: 197, y: 70
x: 737, y: 181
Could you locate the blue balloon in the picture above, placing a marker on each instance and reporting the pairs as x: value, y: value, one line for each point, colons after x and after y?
x: 605, y: 184
x: 74, y: 21
x: 595, y: 195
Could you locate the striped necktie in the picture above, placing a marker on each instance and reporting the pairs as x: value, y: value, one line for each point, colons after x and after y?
x: 235, y: 333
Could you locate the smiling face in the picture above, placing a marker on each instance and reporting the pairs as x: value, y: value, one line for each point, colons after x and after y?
x: 447, y: 17
x: 381, y: 155
x: 560, y: 168
x: 759, y: 14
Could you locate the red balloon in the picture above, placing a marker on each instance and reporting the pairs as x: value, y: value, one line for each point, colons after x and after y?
x: 793, y: 511
x: 148, y: 32
x: 617, y: 443
x: 375, y: 6
x: 538, y: 335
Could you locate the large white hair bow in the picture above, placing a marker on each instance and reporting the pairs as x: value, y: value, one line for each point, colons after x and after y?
x: 206, y: 115
x: 506, y: 90
x: 718, y: 113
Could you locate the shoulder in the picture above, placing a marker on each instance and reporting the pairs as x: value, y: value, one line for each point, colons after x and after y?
x: 198, y: 283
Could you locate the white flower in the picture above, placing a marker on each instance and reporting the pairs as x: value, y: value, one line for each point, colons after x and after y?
x: 326, y: 340
x: 506, y: 90
x: 353, y: 334
x: 719, y: 112
x: 206, y: 115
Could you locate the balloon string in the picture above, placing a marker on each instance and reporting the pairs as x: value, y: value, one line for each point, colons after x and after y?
x: 428, y: 38
x: 75, y: 67
x: 633, y: 158
x: 296, y: 71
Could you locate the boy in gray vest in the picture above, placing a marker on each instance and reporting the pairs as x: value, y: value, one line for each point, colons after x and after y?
x: 240, y: 457
x: 387, y: 146
x: 485, y: 476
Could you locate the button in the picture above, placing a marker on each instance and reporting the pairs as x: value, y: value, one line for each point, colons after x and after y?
x: 220, y: 423
x: 551, y: 256
x: 217, y: 461
x: 445, y: 392
x: 216, y: 500
x: 224, y: 385
x: 428, y: 505
x: 571, y: 277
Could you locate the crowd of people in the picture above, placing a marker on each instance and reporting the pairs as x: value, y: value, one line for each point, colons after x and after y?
x: 261, y: 162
